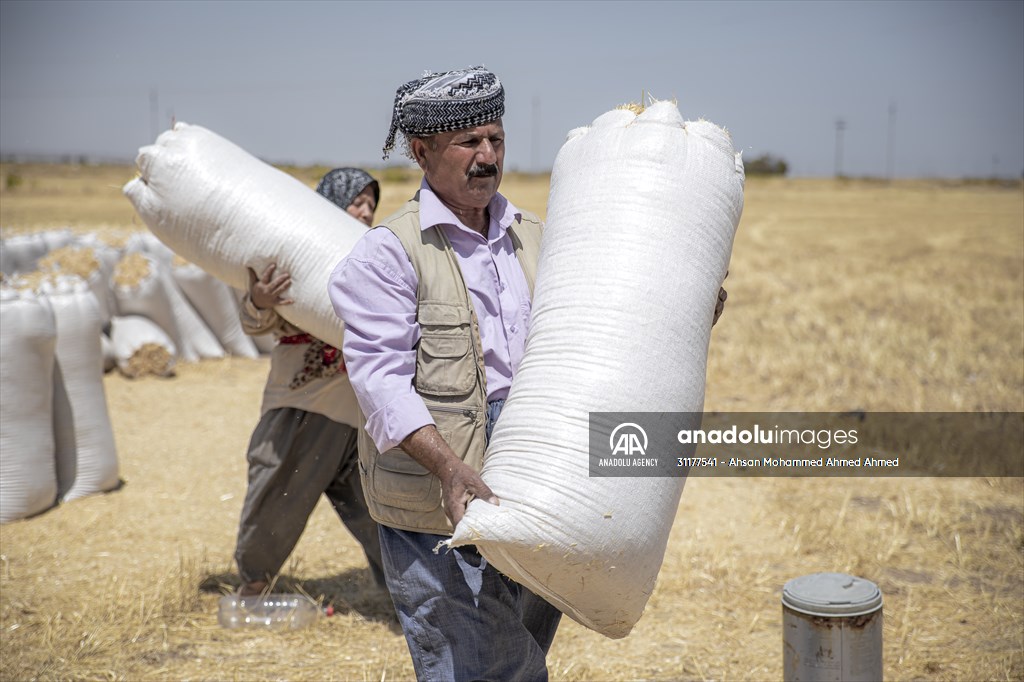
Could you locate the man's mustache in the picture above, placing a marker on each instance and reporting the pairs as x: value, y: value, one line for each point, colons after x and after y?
x: 487, y: 170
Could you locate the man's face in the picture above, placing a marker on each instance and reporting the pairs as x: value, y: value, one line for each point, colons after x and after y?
x: 464, y: 166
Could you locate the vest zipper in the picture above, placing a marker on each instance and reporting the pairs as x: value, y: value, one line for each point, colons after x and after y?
x: 465, y: 412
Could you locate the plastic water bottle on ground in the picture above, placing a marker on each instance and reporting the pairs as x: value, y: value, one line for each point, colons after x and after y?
x: 269, y: 611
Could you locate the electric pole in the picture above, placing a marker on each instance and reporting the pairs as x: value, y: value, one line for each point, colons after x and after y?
x: 154, y: 113
x: 535, y: 142
x: 840, y: 127
x: 890, y: 142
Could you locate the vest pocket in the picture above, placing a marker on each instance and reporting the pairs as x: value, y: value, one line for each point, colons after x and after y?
x: 445, y: 363
x: 400, y: 481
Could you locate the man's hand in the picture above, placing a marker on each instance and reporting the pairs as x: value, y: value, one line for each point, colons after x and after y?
x: 459, y: 482
x: 720, y: 303
x: 267, y: 291
x: 459, y: 487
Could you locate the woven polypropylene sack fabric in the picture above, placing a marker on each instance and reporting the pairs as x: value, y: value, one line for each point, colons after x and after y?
x: 194, y: 331
x: 108, y: 257
x: 641, y: 219
x: 216, y: 304
x: 21, y: 253
x: 142, y: 291
x: 147, y: 243
x: 87, y: 258
x: 144, y: 286
x: 28, y: 469
x: 225, y: 210
x: 83, y: 435
x: 141, y: 347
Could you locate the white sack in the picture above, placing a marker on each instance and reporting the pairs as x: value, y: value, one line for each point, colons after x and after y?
x: 147, y: 243
x: 106, y: 253
x: 93, y: 262
x: 225, y: 210
x: 28, y: 469
x: 195, y: 335
x: 156, y: 296
x: 216, y: 304
x: 640, y: 224
x: 99, y: 284
x: 145, y: 295
x: 265, y: 343
x: 57, y: 238
x: 140, y: 347
x: 21, y: 252
x: 7, y: 263
x: 83, y: 435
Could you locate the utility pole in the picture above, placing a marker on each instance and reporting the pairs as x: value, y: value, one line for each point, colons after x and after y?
x: 535, y: 142
x: 840, y: 127
x: 890, y: 142
x: 154, y: 113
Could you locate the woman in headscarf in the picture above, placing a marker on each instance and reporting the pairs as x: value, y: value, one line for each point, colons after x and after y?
x: 305, y: 441
x: 353, y: 190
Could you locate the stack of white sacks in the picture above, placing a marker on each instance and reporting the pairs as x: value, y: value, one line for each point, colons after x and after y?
x: 147, y: 307
x: 73, y: 306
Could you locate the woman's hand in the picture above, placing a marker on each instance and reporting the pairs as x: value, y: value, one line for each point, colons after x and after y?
x: 268, y: 290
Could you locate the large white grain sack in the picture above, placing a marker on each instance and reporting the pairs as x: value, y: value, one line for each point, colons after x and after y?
x: 143, y: 286
x: 28, y: 473
x: 640, y: 224
x: 216, y: 304
x: 21, y: 252
x: 139, y: 290
x: 141, y: 347
x: 7, y: 261
x: 109, y: 249
x: 147, y: 243
x: 91, y: 261
x: 57, y: 238
x: 225, y: 210
x: 83, y: 435
x: 265, y: 343
x: 195, y: 334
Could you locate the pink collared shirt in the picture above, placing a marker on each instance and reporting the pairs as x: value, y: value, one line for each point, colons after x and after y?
x: 373, y: 290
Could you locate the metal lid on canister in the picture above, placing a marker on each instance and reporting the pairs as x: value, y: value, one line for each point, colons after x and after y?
x: 834, y: 595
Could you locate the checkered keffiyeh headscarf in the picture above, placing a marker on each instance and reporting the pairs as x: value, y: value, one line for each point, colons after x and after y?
x: 343, y: 185
x: 441, y: 102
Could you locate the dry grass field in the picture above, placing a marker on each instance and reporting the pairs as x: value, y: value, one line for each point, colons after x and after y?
x: 842, y: 296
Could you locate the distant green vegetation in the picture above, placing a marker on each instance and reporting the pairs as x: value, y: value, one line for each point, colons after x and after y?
x: 766, y: 164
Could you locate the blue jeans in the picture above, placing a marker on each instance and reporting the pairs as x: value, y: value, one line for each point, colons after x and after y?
x: 463, y: 619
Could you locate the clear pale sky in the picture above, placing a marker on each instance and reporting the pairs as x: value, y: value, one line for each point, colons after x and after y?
x: 314, y: 82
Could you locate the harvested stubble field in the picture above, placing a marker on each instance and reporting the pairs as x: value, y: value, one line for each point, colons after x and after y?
x: 842, y: 296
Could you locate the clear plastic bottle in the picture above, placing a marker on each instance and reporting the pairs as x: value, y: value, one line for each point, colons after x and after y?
x: 269, y: 612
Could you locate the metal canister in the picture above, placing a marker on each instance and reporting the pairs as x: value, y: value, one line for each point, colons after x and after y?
x: 832, y: 629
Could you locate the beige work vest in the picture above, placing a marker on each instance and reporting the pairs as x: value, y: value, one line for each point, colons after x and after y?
x: 450, y: 375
